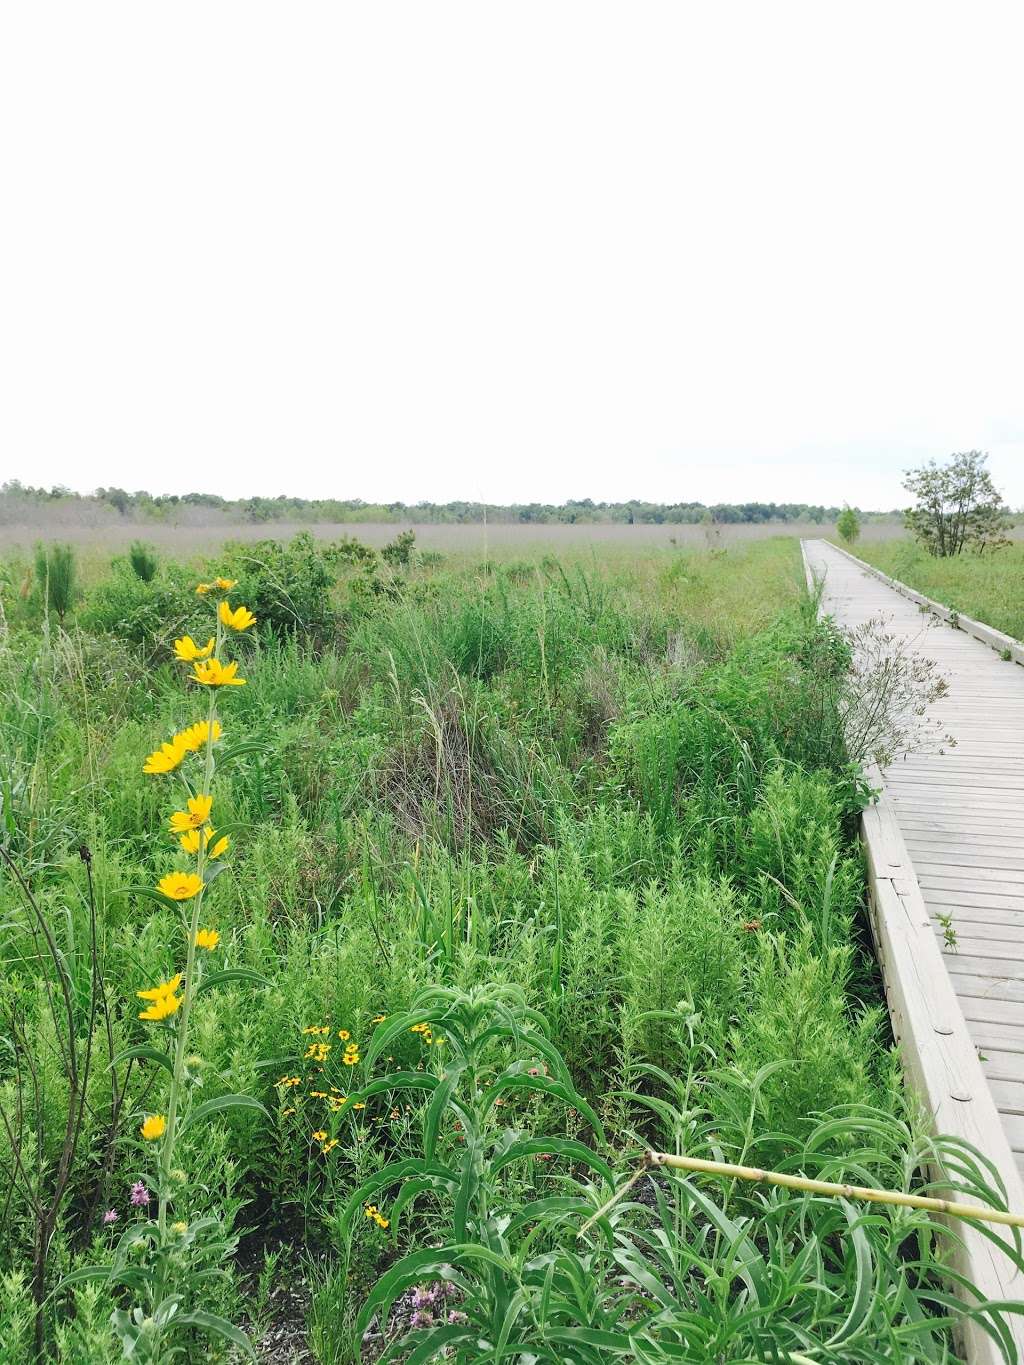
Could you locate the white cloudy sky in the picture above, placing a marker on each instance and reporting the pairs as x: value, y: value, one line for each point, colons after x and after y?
x: 513, y: 251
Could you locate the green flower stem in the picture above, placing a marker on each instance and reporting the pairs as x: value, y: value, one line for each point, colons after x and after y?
x: 167, y: 1148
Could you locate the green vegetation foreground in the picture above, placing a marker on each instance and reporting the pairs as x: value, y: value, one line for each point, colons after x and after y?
x: 528, y: 865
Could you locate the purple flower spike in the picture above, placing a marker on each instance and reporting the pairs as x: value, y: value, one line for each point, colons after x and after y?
x: 140, y: 1196
x: 110, y: 1216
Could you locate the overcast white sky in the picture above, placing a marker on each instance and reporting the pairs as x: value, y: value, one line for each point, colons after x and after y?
x: 518, y: 251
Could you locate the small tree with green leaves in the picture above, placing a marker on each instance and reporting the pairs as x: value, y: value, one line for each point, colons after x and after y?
x: 55, y: 578
x: 143, y: 560
x: 957, y: 508
x: 848, y: 524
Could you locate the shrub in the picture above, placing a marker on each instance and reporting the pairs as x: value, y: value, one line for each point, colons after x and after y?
x: 136, y: 610
x: 288, y: 585
x: 848, y: 525
x: 55, y: 578
x: 143, y: 561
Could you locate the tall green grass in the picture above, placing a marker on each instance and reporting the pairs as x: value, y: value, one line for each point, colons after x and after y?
x: 594, y: 793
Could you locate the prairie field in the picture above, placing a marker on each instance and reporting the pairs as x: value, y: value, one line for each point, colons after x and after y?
x: 330, y: 1036
x: 201, y: 531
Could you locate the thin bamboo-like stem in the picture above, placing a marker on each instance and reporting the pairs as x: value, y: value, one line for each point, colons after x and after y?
x: 798, y: 1182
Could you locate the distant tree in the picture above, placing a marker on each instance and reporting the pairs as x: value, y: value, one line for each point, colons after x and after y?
x: 958, y: 507
x: 848, y: 524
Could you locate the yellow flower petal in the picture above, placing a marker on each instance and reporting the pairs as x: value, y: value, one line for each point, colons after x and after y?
x: 186, y: 649
x: 162, y: 1007
x: 164, y: 988
x: 197, y: 814
x: 194, y: 737
x: 153, y: 1127
x: 239, y: 619
x: 212, y: 673
x: 166, y: 758
x: 181, y: 886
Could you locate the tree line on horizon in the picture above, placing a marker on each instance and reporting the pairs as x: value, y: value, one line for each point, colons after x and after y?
x: 144, y: 506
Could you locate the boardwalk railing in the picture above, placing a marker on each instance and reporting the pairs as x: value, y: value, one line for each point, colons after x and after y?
x: 940, y: 1061
x: 1004, y: 645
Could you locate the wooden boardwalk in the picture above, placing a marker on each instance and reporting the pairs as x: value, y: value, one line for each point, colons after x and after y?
x: 954, y: 822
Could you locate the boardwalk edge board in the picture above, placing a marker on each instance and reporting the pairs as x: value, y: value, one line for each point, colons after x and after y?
x: 1003, y: 644
x: 940, y: 1061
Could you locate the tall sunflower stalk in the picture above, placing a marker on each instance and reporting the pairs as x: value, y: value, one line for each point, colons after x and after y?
x: 169, y: 1004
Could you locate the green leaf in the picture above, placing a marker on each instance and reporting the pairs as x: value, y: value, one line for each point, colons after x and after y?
x: 84, y: 1273
x: 210, y: 1322
x: 430, y: 1346
x: 566, y: 1147
x: 232, y: 974
x: 438, y: 1104
x: 246, y: 746
x: 545, y: 1086
x: 143, y: 1053
x: 392, y: 1174
x: 147, y: 893
x: 215, y: 1106
x: 421, y: 1265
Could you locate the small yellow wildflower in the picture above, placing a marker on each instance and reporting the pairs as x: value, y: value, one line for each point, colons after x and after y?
x: 191, y: 840
x: 193, y: 737
x: 344, y: 1034
x: 319, y: 1135
x: 239, y: 619
x: 153, y: 1127
x: 290, y: 1110
x: 161, y: 1008
x: 208, y: 939
x: 197, y: 814
x: 179, y: 1228
x: 330, y: 1146
x: 289, y: 1080
x: 225, y: 584
x: 187, y: 650
x: 164, y: 988
x: 181, y: 886
x: 166, y: 758
x: 212, y: 673
x: 359, y: 1104
x: 350, y: 1058
x: 220, y: 845
x: 378, y: 1019
x: 203, y: 588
